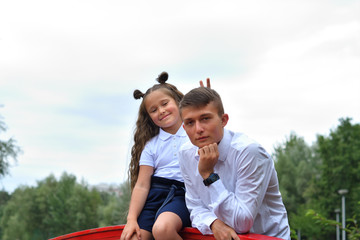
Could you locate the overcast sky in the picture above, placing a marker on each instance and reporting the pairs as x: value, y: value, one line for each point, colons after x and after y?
x: 68, y: 70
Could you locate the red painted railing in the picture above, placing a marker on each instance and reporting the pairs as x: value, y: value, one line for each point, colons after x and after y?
x: 114, y: 232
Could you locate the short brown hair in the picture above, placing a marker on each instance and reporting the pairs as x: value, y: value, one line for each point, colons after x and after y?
x: 200, y: 97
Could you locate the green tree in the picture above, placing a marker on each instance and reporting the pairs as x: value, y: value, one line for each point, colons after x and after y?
x: 310, y: 178
x: 4, y: 198
x: 50, y: 209
x: 352, y: 229
x: 340, y: 169
x: 8, y: 149
x: 114, y: 210
x: 296, y: 165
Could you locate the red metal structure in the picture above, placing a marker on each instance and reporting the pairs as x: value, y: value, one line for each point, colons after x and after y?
x: 114, y: 233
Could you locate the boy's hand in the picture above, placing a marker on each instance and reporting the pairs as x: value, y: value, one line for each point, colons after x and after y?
x: 222, y: 231
x: 208, y: 158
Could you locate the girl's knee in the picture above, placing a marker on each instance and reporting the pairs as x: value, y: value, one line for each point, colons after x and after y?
x: 166, y: 226
x: 162, y: 228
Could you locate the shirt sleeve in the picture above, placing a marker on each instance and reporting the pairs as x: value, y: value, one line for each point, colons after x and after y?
x: 200, y: 215
x: 147, y: 156
x: 238, y: 209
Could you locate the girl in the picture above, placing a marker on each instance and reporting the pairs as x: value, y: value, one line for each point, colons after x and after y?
x: 157, y: 206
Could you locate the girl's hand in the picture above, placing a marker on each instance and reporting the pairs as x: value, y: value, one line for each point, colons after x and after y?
x: 207, y: 83
x: 131, y: 228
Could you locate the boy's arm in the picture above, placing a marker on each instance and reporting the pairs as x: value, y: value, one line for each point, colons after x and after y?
x: 200, y: 215
x: 238, y: 209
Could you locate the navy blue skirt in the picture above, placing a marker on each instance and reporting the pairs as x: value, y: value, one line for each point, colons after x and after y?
x: 165, y: 195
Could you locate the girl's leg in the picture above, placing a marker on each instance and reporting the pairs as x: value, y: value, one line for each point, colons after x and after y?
x: 167, y: 226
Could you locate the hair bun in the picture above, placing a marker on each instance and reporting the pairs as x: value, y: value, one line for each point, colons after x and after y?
x: 163, y: 77
x: 138, y: 94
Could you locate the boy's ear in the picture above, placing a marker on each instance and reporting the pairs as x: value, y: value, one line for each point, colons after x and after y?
x: 224, y: 119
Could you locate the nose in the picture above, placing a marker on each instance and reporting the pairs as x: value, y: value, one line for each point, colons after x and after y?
x: 198, y: 127
x: 161, y: 110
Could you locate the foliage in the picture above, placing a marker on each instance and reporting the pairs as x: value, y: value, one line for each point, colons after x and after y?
x: 8, y: 149
x: 114, y: 211
x: 4, y: 198
x: 310, y: 177
x: 352, y: 228
x: 51, y: 209
x: 57, y: 207
x: 296, y: 167
x: 340, y: 155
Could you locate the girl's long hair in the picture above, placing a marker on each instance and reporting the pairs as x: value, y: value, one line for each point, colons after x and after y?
x: 145, y: 127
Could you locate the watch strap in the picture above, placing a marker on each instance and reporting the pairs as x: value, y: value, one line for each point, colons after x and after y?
x: 211, y: 179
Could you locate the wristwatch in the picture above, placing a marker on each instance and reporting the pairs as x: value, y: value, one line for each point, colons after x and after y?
x: 212, y: 178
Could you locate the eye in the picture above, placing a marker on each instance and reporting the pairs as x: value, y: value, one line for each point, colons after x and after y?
x: 165, y: 103
x: 204, y: 119
x: 189, y: 123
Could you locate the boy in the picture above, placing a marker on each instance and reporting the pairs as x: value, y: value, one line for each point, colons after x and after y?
x: 231, y: 183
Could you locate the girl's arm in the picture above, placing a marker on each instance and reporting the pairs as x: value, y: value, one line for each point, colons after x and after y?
x: 137, y: 202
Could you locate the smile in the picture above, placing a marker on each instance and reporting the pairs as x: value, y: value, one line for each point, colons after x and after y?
x: 164, y: 117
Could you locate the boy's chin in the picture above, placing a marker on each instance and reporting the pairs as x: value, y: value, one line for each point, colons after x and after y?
x: 202, y: 144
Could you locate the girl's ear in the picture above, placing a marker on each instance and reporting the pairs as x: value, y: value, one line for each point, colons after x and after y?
x: 224, y: 119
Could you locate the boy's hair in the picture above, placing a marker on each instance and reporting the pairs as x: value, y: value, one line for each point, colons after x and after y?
x: 145, y: 127
x: 200, y: 97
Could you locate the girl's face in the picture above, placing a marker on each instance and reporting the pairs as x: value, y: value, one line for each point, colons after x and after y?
x: 163, y: 110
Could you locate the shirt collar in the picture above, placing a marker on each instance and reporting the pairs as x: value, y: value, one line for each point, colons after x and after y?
x: 224, y: 145
x: 165, y: 135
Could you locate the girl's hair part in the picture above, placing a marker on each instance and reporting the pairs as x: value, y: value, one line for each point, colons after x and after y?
x: 145, y: 127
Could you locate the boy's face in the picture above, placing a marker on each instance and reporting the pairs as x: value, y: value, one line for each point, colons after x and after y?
x: 203, y: 125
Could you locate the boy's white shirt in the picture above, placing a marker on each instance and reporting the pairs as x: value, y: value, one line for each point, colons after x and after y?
x: 246, y: 197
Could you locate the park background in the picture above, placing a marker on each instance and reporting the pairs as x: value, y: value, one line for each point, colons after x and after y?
x: 68, y: 70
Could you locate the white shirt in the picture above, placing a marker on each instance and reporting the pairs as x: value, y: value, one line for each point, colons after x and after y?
x: 162, y: 153
x: 246, y: 197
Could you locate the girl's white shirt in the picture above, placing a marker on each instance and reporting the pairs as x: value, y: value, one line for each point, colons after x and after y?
x: 162, y: 153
